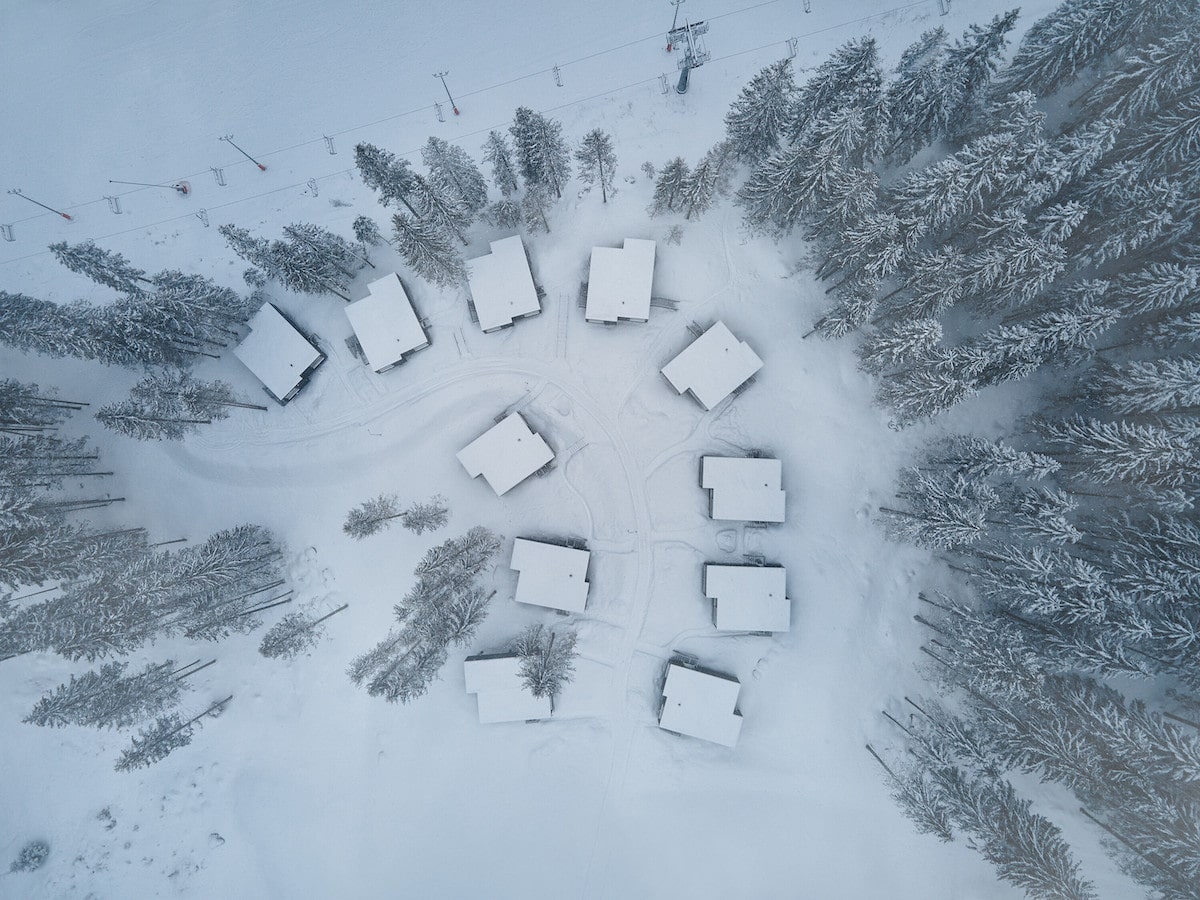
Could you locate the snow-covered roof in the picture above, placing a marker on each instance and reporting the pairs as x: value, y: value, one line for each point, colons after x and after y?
x: 749, y: 598
x: 277, y: 354
x: 501, y: 284
x: 385, y: 323
x: 496, y: 681
x: 713, y: 366
x: 551, y: 576
x: 506, y: 454
x: 743, y: 488
x: 701, y: 704
x: 619, y: 282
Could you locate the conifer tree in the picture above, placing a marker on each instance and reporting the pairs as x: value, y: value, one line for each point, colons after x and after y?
x: 108, y: 698
x: 367, y: 233
x: 547, y: 659
x: 444, y: 608
x: 505, y: 213
x: 294, y: 634
x: 917, y: 98
x: 669, y: 186
x: 541, y: 152
x: 382, y: 171
x: 498, y: 154
x: 454, y: 173
x: 969, y: 67
x: 534, y: 207
x: 597, y: 161
x: 759, y: 117
x: 442, y: 211
x: 427, y: 251
x: 849, y: 78
x: 105, y: 267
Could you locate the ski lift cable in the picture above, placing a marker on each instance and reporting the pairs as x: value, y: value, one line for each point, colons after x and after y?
x: 458, y: 139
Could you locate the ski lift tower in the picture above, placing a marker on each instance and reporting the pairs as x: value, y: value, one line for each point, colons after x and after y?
x: 695, y: 54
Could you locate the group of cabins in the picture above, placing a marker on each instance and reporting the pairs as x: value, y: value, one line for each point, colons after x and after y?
x: 388, y: 330
x: 749, y: 598
x: 745, y: 599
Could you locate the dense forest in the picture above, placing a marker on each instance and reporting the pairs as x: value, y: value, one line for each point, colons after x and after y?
x: 980, y: 224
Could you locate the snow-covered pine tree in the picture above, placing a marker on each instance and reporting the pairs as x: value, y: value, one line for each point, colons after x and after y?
x: 254, y: 250
x: 969, y: 67
x: 166, y: 735
x: 382, y: 171
x: 1148, y: 78
x: 441, y: 210
x: 597, y: 161
x: 1166, y: 142
x: 372, y: 516
x: 335, y: 250
x: 905, y: 342
x: 41, y: 326
x: 431, y: 515
x: 547, y: 659
x: 760, y: 116
x: 106, y: 267
x: 669, y: 186
x: 32, y: 857
x: 498, y: 154
x: 454, y: 173
x: 535, y: 206
x: 196, y: 396
x: 856, y: 304
x: 1148, y: 386
x: 1156, y: 288
x: 505, y: 213
x: 428, y: 251
x: 444, y: 607
x: 944, y: 512
x: 151, y: 419
x: 851, y: 77
x: 109, y: 698
x: 294, y: 634
x: 204, y: 309
x: 540, y: 149
x: 48, y: 548
x: 701, y: 187
x: 923, y: 390
x: 367, y: 232
x: 1078, y: 34
x: 977, y: 457
x: 916, y: 97
x: 1026, y: 849
x: 1149, y: 454
x: 26, y: 408
x: 42, y: 460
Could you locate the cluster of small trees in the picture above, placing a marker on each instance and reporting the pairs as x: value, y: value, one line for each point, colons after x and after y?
x: 433, y: 212
x: 1026, y: 235
x: 170, y: 318
x: 378, y: 513
x: 163, y: 323
x: 111, y: 592
x: 310, y: 260
x: 693, y: 191
x: 445, y: 607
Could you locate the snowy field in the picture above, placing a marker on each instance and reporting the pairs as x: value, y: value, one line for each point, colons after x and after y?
x: 307, y: 787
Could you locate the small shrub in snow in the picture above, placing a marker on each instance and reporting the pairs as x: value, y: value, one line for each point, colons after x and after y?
x: 32, y: 856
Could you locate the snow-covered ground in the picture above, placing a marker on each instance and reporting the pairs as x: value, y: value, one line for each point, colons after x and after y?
x: 307, y: 787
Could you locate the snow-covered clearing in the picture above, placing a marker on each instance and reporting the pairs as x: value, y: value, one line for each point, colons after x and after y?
x: 307, y: 787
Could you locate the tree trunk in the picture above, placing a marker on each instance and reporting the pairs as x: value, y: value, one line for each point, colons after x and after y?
x: 603, y: 192
x: 879, y: 760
